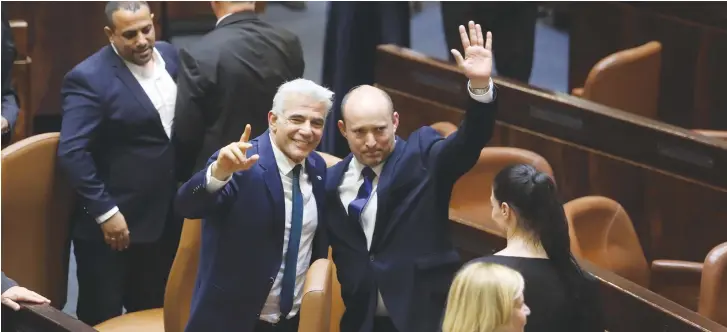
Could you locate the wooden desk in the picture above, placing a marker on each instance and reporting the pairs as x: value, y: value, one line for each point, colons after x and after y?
x: 694, y: 40
x: 40, y: 318
x: 670, y: 181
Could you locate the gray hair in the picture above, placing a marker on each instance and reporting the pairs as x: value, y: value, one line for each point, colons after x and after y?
x: 303, y: 87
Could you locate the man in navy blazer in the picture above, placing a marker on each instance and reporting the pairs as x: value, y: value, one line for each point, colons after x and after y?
x: 263, y: 221
x: 389, y: 202
x: 118, y: 111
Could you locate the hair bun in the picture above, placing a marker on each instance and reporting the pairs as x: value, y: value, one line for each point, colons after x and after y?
x: 540, y: 178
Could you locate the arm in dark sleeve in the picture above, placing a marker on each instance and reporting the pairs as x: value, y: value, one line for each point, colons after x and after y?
x: 189, y: 119
x: 81, y: 122
x: 455, y: 155
x: 7, y: 283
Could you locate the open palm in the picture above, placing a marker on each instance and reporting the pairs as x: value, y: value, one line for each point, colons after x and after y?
x: 477, y: 61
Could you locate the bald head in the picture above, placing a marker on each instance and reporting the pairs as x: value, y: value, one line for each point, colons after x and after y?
x: 366, y: 99
x: 369, y: 124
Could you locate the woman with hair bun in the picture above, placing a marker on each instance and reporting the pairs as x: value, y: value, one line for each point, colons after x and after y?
x: 560, y: 294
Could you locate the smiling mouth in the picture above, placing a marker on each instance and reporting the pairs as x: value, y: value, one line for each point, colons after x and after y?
x: 301, y: 143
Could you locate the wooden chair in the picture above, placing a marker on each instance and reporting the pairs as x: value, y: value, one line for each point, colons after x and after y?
x: 178, y: 294
x: 602, y: 233
x: 178, y: 297
x: 471, y: 194
x: 699, y: 286
x: 37, y: 203
x: 628, y: 80
x: 315, y: 308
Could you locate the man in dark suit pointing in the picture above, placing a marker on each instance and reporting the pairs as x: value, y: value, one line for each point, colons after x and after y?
x: 389, y: 202
x: 262, y: 203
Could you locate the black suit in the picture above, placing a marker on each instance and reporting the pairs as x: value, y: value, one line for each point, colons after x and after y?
x: 227, y: 80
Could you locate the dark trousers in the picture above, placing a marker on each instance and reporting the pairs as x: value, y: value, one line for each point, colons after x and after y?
x: 134, y: 279
x: 513, y: 32
x: 287, y: 325
x: 384, y: 324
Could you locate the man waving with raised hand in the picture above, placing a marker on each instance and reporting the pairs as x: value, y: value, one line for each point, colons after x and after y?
x: 262, y: 204
x: 388, y: 208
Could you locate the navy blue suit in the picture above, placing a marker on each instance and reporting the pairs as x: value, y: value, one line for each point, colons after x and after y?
x: 412, y: 259
x: 243, y: 230
x: 115, y: 152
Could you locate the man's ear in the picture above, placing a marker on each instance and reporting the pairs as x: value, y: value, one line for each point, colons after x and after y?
x: 395, y: 120
x: 342, y: 127
x: 272, y: 121
x: 108, y: 32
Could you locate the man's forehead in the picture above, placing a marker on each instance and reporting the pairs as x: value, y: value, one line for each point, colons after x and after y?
x: 305, y: 112
x: 127, y: 20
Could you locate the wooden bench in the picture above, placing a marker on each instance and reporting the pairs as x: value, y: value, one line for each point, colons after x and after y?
x: 40, y: 318
x: 694, y: 40
x: 671, y: 181
x: 626, y: 306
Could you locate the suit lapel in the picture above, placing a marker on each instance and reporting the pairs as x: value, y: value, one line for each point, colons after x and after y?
x: 315, y: 173
x: 351, y: 232
x: 272, y: 179
x: 125, y: 75
x: 384, y: 192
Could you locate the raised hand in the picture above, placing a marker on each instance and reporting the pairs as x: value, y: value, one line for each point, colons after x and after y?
x: 477, y: 61
x: 233, y: 157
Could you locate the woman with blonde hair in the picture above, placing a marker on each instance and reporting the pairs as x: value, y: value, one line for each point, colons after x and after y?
x: 486, y: 297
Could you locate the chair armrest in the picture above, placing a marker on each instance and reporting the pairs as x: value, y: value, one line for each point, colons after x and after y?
x: 315, y: 308
x: 677, y: 280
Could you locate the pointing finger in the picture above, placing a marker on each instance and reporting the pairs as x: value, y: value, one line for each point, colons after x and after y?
x: 246, y: 134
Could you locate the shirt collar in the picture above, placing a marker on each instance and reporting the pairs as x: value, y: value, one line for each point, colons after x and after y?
x: 145, y: 71
x: 285, y: 165
x: 358, y: 167
x: 222, y: 18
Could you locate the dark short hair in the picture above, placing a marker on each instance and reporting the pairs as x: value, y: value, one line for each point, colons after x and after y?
x: 113, y: 6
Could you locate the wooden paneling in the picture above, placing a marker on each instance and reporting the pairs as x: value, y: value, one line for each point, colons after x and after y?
x: 694, y: 39
x: 61, y: 35
x: 21, y: 80
x: 670, y: 181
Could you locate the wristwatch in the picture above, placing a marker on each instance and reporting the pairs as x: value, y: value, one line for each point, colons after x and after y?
x: 478, y: 91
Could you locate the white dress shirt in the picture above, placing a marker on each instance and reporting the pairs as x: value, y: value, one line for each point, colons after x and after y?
x: 271, y: 310
x: 161, y: 90
x: 352, y: 181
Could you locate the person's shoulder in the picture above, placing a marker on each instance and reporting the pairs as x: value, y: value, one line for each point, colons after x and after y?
x: 91, y: 67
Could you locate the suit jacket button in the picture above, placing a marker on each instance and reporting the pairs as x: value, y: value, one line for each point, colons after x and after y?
x: 272, y: 280
x: 371, y: 257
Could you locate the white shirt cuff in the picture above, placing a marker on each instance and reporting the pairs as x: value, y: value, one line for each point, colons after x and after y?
x: 106, y: 216
x: 213, y: 184
x: 486, y: 98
